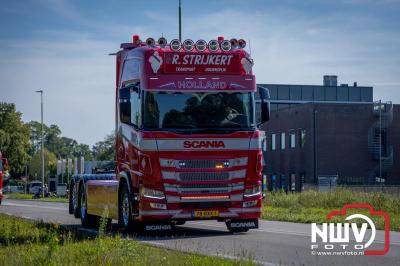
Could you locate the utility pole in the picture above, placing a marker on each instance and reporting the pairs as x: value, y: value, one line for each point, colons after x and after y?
x: 180, y: 22
x: 380, y: 141
x: 41, y: 137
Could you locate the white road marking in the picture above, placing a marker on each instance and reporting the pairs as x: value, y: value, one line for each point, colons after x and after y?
x: 36, y: 206
x: 274, y: 231
x: 5, y: 203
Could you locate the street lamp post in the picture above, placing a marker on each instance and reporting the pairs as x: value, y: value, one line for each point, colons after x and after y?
x: 41, y: 138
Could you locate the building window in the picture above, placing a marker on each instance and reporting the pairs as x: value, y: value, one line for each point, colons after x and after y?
x: 283, y: 140
x: 273, y: 141
x: 264, y: 143
x: 302, y: 138
x: 292, y: 140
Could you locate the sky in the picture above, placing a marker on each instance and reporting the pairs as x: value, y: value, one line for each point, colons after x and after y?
x: 62, y: 47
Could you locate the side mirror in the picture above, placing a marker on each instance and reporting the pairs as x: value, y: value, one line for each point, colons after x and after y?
x: 264, y: 101
x: 125, y: 105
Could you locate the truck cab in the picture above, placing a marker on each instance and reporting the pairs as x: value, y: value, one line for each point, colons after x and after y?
x: 187, y: 138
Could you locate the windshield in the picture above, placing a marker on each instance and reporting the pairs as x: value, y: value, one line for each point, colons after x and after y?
x: 198, y: 110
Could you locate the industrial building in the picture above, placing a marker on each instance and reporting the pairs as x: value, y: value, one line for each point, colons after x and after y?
x: 283, y: 96
x: 342, y: 137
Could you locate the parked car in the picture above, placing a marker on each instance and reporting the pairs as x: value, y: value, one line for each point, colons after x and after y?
x: 34, y: 187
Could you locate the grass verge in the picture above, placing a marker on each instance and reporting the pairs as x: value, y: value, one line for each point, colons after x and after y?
x: 22, y: 196
x: 313, y: 206
x: 24, y: 242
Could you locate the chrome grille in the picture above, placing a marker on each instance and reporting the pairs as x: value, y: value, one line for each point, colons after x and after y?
x: 200, y: 164
x: 204, y: 176
x: 203, y: 186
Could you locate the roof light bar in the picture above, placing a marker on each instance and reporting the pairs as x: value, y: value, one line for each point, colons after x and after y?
x: 213, y: 45
x: 242, y: 43
x: 175, y: 45
x: 162, y: 42
x: 201, y: 45
x: 188, y: 45
x: 150, y: 42
x: 226, y: 45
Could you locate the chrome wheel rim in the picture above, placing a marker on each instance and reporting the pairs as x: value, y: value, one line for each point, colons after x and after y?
x: 74, y: 198
x: 125, y: 209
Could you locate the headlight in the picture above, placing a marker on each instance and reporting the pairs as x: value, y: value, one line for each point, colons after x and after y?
x: 253, y: 191
x: 152, y: 193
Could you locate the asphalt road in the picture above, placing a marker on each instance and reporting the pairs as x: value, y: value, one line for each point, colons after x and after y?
x: 274, y: 243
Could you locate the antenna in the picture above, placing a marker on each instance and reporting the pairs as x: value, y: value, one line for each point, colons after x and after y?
x: 180, y: 22
x: 249, y: 47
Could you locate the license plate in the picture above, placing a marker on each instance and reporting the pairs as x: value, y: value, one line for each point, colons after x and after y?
x: 202, y: 214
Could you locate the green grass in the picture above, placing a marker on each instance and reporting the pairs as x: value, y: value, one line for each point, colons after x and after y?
x: 313, y: 206
x: 25, y: 242
x: 22, y: 196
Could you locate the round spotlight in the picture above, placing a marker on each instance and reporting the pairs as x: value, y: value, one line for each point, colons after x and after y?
x: 175, y: 45
x: 188, y: 45
x: 150, y: 42
x: 213, y: 45
x: 201, y: 45
x: 242, y: 43
x: 234, y: 43
x: 226, y: 45
x: 162, y: 42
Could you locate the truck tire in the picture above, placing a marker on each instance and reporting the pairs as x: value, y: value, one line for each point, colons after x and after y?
x: 70, y: 198
x: 76, y: 201
x: 87, y: 220
x: 125, y: 220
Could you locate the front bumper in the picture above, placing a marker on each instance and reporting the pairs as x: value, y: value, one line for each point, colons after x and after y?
x: 186, y: 210
x: 230, y: 213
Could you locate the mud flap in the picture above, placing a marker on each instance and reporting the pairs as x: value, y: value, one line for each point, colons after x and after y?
x: 157, y: 227
x: 242, y: 224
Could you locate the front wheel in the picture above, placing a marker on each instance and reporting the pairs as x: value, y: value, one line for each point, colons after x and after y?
x: 87, y: 220
x: 125, y: 220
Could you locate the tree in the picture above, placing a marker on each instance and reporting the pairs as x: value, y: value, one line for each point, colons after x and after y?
x: 62, y: 147
x: 83, y: 150
x: 35, y: 166
x: 35, y: 135
x: 52, y: 138
x: 105, y: 150
x: 14, y: 138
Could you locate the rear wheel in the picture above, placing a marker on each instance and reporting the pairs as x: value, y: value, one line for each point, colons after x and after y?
x: 70, y: 203
x: 76, y: 204
x: 125, y: 220
x: 87, y: 220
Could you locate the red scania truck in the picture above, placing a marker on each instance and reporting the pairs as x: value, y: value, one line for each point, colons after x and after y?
x: 3, y: 173
x: 187, y: 139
